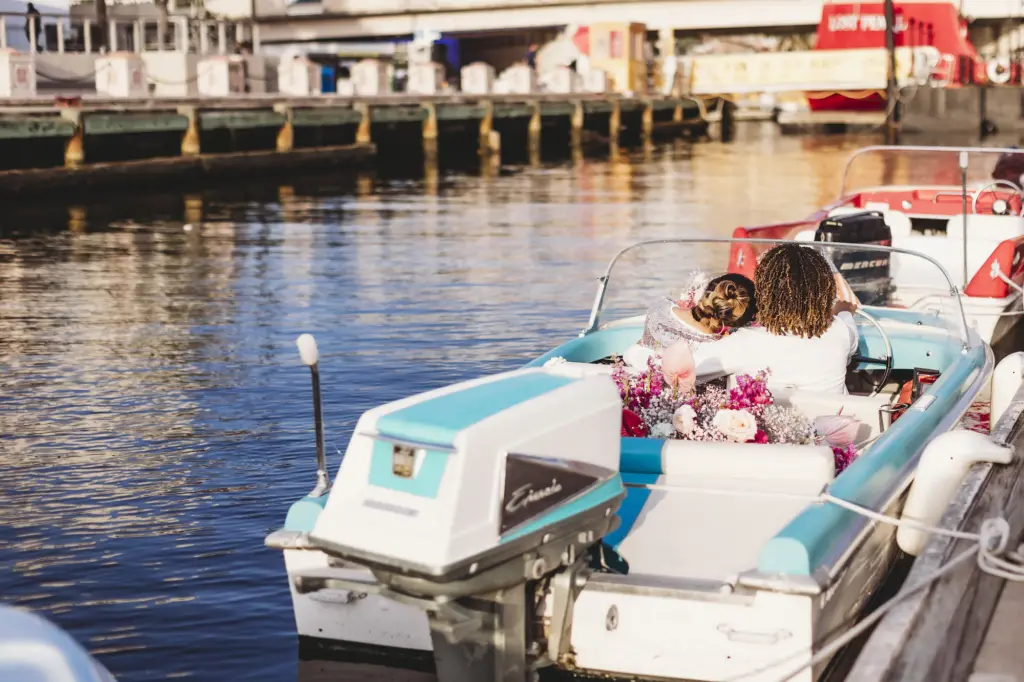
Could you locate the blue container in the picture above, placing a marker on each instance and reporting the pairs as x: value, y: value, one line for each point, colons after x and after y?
x: 327, y: 80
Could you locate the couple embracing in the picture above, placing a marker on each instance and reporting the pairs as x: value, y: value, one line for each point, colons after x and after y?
x: 795, y: 319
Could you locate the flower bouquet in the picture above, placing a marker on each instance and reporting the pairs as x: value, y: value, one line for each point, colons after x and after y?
x: 662, y: 401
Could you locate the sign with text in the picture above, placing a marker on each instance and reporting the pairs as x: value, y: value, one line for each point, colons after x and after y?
x: 813, y: 70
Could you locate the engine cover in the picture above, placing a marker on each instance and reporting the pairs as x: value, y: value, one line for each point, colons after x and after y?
x: 441, y: 486
x: 867, y: 272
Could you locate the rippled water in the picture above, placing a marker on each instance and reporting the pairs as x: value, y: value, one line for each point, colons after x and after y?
x: 156, y: 422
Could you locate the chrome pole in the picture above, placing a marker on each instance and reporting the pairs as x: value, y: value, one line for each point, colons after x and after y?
x: 310, y: 355
x: 964, y: 158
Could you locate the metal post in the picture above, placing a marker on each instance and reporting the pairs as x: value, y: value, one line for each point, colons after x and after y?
x: 964, y: 161
x: 33, y: 45
x: 892, y: 88
x: 3, y: 32
x: 87, y: 28
x: 60, y: 36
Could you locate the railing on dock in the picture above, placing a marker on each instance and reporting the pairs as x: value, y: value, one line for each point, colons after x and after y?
x: 69, y: 34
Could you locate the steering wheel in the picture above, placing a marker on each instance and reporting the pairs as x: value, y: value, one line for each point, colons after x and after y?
x: 1000, y: 206
x: 886, y: 362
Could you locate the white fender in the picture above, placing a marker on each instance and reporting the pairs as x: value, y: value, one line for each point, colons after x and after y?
x: 943, y: 465
x: 1006, y: 380
x: 998, y: 71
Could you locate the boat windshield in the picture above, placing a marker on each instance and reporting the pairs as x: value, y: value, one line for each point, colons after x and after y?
x: 924, y: 167
x: 644, y: 276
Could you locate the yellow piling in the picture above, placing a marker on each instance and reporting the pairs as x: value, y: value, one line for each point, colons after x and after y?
x: 74, y: 150
x: 190, y: 140
x: 286, y: 135
x: 363, y: 132
x: 533, y: 135
x: 430, y: 131
x: 576, y: 124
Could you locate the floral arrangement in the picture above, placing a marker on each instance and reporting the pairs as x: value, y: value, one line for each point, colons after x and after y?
x: 662, y: 401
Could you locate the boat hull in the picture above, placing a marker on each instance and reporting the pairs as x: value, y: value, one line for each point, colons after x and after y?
x: 356, y: 621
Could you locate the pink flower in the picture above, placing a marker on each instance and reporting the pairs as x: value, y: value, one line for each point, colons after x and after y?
x: 837, y: 430
x: 632, y: 424
x: 844, y: 457
x: 759, y: 437
x: 678, y: 367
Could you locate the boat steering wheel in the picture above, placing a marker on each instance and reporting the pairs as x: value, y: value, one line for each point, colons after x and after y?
x: 1000, y: 206
x: 885, y: 362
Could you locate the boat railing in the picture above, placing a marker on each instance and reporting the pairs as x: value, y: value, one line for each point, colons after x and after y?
x: 954, y: 292
x: 905, y: 150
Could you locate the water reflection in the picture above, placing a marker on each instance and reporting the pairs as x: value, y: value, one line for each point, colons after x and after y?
x: 156, y: 421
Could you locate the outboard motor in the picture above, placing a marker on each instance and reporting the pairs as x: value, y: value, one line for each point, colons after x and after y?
x: 481, y: 503
x: 867, y: 272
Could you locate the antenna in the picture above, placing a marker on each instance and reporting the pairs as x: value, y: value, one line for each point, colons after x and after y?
x: 963, y: 185
x: 310, y: 355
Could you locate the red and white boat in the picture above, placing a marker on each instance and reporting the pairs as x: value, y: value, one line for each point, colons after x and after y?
x: 960, y: 207
x: 932, y: 24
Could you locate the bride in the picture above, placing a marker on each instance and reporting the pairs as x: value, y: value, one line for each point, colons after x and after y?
x: 726, y: 302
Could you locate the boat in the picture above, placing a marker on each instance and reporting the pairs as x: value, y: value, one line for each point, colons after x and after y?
x: 960, y: 205
x: 934, y: 29
x: 504, y: 524
x: 36, y: 649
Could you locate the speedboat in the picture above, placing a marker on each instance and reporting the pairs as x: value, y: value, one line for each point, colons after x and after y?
x: 962, y: 206
x: 505, y: 524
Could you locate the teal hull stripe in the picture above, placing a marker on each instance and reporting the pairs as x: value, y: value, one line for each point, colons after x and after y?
x: 596, y: 497
x: 437, y: 421
x: 629, y: 512
x: 822, y: 530
x: 302, y: 515
x: 425, y: 482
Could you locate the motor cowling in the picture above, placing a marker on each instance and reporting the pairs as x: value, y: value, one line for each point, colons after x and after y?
x: 867, y: 272
x: 470, y: 500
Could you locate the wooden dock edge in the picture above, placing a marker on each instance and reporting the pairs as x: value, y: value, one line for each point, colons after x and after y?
x: 15, y: 184
x: 935, y: 634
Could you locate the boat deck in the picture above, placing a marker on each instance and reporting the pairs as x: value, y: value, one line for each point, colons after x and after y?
x: 1001, y: 657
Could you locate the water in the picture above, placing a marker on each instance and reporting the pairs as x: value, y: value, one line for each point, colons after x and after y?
x: 156, y: 422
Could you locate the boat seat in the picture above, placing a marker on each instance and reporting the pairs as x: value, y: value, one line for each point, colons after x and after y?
x: 752, y: 492
x: 915, y: 273
x: 988, y: 228
x: 816, y: 404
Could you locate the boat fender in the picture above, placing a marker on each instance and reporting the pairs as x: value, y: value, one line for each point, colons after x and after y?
x: 998, y: 71
x: 1006, y: 381
x: 943, y: 465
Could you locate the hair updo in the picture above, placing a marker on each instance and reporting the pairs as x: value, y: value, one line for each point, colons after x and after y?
x: 727, y: 301
x: 796, y: 290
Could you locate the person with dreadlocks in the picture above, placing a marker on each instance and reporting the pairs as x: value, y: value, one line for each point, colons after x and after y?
x: 805, y: 336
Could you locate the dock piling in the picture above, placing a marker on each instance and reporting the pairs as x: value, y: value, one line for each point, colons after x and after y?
x: 286, y: 136
x: 430, y: 131
x: 533, y: 135
x: 363, y: 131
x: 647, y: 125
x: 74, y: 150
x: 615, y: 124
x: 190, y: 139
x: 487, y: 133
x: 576, y: 124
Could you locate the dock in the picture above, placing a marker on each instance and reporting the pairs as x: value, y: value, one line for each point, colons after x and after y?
x: 51, y: 143
x: 963, y: 626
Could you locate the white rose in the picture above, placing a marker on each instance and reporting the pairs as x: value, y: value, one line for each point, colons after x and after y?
x: 684, y: 419
x: 662, y: 430
x: 736, y: 425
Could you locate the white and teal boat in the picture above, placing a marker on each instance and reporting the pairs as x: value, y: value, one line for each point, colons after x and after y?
x: 503, y: 524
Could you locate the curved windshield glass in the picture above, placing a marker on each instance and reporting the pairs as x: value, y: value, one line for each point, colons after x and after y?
x: 930, y: 167
x: 642, y: 277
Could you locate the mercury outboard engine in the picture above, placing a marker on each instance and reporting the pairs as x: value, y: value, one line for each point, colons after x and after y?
x: 867, y: 272
x: 481, y: 504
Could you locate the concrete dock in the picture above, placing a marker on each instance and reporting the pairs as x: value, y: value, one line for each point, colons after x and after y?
x: 90, y: 135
